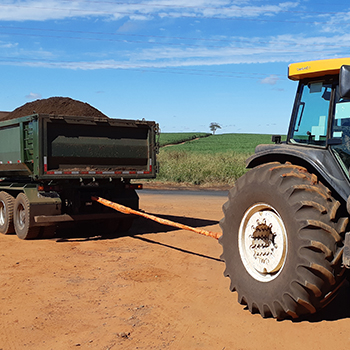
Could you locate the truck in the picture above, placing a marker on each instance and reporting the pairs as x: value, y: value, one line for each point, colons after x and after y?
x: 51, y: 165
x: 286, y: 239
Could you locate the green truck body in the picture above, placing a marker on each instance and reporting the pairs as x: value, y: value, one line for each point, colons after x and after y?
x: 58, y: 162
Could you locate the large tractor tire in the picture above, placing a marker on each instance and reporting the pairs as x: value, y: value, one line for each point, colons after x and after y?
x: 6, y: 213
x: 282, y: 238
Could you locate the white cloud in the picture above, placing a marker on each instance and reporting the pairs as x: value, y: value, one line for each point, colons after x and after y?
x: 278, y: 49
x: 334, y: 22
x: 270, y: 80
x: 235, y: 11
x: 8, y: 45
x: 33, y: 96
x: 149, y: 54
x: 41, y: 10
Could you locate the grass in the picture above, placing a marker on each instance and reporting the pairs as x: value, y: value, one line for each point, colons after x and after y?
x: 240, y: 143
x: 208, y: 161
x: 200, y: 169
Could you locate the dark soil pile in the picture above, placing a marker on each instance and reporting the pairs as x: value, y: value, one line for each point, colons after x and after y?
x: 56, y: 106
x: 3, y: 115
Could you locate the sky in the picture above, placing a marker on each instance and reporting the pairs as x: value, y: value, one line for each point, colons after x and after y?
x: 183, y: 64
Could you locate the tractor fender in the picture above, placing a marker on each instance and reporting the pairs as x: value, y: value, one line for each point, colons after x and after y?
x: 320, y: 161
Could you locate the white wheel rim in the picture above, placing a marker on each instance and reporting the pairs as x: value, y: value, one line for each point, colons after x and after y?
x: 262, y: 241
x: 21, y: 216
x: 2, y: 213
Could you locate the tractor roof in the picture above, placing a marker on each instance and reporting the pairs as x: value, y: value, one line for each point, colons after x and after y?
x: 312, y: 69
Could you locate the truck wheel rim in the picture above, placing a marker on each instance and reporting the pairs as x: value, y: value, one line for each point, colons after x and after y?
x: 21, y: 216
x: 262, y: 242
x: 2, y: 213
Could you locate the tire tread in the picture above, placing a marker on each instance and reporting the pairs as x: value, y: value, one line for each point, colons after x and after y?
x: 320, y: 231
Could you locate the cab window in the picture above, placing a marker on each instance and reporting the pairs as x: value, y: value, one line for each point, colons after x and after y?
x: 341, y: 130
x: 312, y: 114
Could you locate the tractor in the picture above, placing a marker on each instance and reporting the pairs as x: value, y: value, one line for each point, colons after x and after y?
x: 285, y: 241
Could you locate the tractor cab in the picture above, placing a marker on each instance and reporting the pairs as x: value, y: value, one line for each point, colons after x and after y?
x: 321, y: 113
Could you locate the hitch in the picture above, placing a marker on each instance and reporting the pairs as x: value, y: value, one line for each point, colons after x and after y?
x: 127, y: 210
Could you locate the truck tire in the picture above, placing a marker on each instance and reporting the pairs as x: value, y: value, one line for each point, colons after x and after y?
x: 6, y: 213
x: 282, y: 241
x: 21, y: 218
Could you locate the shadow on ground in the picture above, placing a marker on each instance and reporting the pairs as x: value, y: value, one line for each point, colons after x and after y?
x: 144, y: 226
x: 338, y: 309
x: 140, y: 226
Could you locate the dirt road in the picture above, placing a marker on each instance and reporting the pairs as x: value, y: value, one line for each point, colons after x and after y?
x: 156, y: 288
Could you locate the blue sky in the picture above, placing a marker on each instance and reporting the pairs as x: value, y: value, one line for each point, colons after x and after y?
x: 181, y: 63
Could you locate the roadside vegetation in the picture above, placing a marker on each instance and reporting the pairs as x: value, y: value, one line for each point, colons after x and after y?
x: 207, y: 160
x: 200, y: 168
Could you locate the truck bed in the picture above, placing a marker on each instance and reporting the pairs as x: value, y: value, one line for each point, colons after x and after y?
x: 44, y: 146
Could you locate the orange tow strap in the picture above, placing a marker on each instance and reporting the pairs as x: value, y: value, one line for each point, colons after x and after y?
x: 127, y: 210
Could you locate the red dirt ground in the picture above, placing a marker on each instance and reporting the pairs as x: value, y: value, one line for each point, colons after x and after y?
x: 154, y: 288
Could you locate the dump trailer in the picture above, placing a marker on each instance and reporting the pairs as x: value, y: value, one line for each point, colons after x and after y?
x: 51, y: 166
x: 286, y: 240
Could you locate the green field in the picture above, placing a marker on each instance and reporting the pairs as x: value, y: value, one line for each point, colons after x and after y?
x: 175, y: 138
x: 240, y: 143
x: 208, y: 161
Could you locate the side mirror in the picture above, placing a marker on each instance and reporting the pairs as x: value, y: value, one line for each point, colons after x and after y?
x: 276, y: 139
x: 344, y: 81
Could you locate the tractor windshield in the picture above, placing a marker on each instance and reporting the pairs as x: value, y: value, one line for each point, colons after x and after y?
x: 341, y: 129
x: 312, y: 109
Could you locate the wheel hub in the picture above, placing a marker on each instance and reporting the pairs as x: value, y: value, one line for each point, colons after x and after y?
x: 262, y: 242
x: 2, y: 213
x: 21, y: 216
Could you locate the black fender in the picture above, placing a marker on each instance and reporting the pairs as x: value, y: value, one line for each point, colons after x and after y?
x: 320, y: 161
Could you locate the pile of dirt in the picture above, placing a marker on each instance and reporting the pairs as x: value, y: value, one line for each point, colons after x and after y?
x: 56, y: 106
x: 3, y: 115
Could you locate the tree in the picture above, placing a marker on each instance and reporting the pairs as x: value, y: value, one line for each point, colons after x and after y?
x: 213, y: 126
